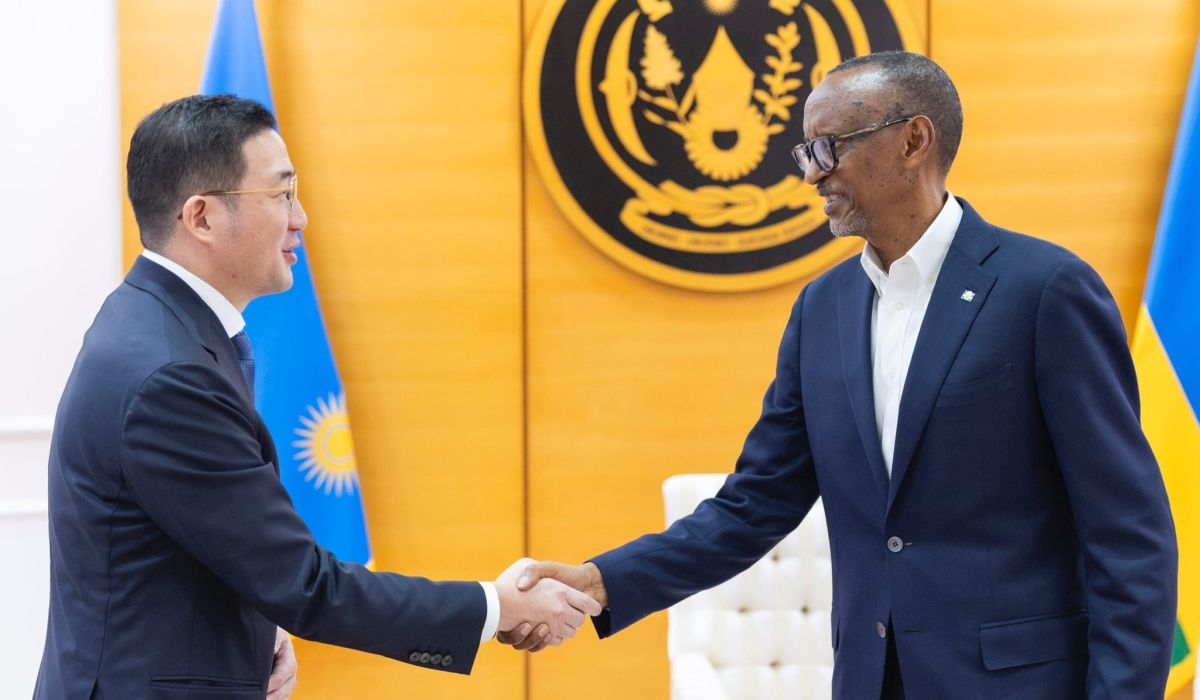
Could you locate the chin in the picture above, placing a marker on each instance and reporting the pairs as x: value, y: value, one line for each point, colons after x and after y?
x: 848, y: 226
x: 840, y: 230
x: 282, y: 284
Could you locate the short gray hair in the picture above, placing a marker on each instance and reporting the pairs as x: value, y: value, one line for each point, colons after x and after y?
x: 922, y: 88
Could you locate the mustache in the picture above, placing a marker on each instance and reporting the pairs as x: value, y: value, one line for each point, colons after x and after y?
x: 827, y: 191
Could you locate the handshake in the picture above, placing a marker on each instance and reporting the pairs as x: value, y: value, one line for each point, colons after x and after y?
x: 544, y: 603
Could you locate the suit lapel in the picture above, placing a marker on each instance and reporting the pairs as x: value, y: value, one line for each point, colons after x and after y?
x: 177, y: 296
x: 194, y: 314
x: 856, y: 297
x: 947, y: 322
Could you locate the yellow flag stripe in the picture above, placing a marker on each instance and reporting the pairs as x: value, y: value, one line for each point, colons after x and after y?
x: 1174, y: 434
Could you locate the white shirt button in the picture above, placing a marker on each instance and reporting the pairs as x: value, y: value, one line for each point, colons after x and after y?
x: 898, y: 305
x: 891, y: 376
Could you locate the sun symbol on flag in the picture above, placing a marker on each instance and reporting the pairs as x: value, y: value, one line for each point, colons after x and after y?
x: 326, y: 447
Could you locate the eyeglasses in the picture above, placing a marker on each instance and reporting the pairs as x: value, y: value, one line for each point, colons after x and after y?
x: 290, y: 189
x: 823, y: 151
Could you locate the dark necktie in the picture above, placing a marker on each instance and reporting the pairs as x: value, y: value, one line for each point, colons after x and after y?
x: 245, y: 353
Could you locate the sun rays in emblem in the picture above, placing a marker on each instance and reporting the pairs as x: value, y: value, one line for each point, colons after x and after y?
x: 326, y: 449
x: 720, y: 7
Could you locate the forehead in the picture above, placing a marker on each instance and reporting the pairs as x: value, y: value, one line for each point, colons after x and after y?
x: 850, y: 99
x: 266, y: 157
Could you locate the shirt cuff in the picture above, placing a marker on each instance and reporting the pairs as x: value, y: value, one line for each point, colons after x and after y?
x: 493, y: 611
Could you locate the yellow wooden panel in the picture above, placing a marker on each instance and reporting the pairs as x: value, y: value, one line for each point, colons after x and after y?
x: 403, y: 120
x: 629, y: 382
x: 161, y: 54
x: 920, y: 15
x: 1071, y: 109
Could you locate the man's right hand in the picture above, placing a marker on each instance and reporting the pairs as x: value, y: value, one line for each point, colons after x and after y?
x: 586, y: 579
x: 555, y: 609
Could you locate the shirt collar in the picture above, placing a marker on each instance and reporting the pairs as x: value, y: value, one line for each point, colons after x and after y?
x: 230, y: 318
x: 927, y: 253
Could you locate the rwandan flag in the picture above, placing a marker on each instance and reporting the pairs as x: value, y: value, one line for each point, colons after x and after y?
x: 297, y: 387
x: 1166, y: 349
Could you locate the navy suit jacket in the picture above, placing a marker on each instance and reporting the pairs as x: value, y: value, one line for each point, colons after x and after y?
x: 174, y: 548
x: 1037, y: 555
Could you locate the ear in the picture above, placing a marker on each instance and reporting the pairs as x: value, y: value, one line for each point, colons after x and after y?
x: 919, y: 138
x: 197, y: 211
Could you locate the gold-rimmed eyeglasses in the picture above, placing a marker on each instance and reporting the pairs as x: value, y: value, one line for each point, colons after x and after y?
x: 823, y: 149
x: 290, y: 189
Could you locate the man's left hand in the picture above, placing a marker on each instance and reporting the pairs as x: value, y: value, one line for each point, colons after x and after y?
x: 283, y: 670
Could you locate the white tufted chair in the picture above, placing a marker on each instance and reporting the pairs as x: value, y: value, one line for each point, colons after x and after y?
x: 764, y: 634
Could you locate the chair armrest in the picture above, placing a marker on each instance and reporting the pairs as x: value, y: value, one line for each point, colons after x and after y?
x: 694, y: 678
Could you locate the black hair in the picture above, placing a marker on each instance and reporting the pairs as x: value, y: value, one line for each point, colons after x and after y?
x: 186, y: 147
x: 922, y: 87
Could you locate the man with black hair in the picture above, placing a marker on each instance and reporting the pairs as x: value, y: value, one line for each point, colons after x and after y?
x: 176, y: 556
x: 962, y: 399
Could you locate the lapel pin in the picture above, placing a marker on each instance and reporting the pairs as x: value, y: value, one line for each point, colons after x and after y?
x: 968, y: 296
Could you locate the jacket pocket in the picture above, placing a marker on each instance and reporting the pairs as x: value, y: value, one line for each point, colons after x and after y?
x: 1033, y: 640
x: 203, y: 688
x: 978, y: 391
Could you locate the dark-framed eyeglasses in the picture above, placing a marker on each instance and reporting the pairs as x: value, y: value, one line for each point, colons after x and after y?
x: 823, y: 149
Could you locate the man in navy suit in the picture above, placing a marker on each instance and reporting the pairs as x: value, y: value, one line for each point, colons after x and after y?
x: 174, y: 550
x: 962, y: 399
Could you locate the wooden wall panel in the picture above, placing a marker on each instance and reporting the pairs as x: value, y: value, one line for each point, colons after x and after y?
x: 161, y: 49
x: 629, y: 382
x: 1071, y: 109
x: 402, y: 119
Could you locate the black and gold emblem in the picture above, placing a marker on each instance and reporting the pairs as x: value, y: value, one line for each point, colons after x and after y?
x: 663, y: 128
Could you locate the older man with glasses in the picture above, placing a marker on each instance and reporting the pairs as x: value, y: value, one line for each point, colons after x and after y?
x: 963, y: 400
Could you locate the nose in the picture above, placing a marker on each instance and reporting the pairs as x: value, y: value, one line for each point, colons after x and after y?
x: 814, y: 174
x: 298, y: 218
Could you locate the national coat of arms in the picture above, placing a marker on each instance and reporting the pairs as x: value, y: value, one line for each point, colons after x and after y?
x: 662, y: 128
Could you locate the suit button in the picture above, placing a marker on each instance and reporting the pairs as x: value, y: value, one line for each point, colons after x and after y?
x: 436, y: 659
x: 425, y: 658
x: 881, y: 629
x: 415, y: 657
x: 447, y: 660
x: 895, y: 544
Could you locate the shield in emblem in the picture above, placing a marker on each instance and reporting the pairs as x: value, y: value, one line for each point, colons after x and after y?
x: 663, y: 128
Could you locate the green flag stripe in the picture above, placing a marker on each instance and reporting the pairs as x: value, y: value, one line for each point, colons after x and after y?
x: 1181, y: 649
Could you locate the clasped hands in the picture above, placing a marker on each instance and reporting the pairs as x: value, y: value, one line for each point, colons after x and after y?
x: 544, y: 603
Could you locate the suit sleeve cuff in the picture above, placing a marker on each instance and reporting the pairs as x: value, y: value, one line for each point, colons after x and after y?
x: 493, y: 611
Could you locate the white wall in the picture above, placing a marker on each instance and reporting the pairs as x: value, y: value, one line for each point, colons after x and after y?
x: 60, y: 254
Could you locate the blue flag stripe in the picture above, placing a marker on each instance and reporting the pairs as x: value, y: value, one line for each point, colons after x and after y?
x: 1173, y: 282
x: 235, y: 64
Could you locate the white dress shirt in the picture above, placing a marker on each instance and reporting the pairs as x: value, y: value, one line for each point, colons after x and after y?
x: 231, y: 319
x: 901, y: 299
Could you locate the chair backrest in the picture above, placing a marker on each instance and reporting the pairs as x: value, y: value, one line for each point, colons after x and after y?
x: 765, y: 633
